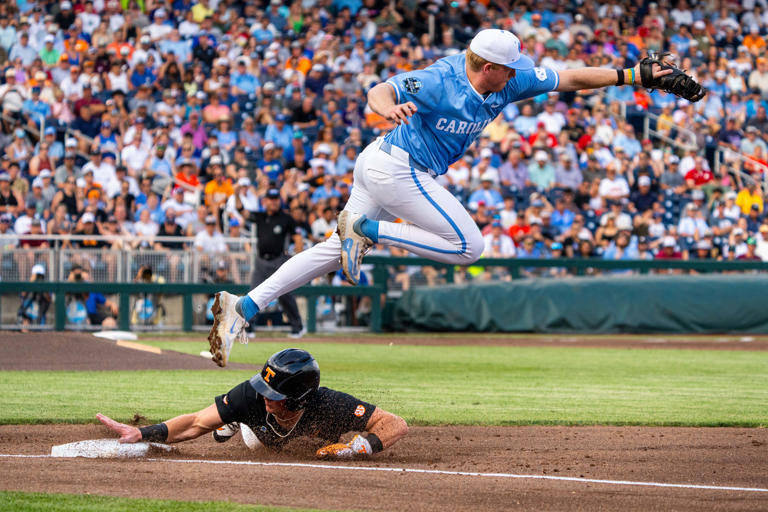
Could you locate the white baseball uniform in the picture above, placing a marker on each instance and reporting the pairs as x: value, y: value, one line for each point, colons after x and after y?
x: 394, y: 175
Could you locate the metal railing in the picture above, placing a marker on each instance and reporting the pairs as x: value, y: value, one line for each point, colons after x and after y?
x: 724, y: 154
x: 121, y: 266
x: 377, y: 292
x: 650, y: 132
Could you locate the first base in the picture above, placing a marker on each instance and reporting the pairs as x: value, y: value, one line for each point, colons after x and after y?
x: 116, y: 335
x: 106, y: 448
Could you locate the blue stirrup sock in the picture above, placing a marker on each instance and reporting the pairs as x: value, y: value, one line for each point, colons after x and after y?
x: 246, y: 308
x: 369, y: 228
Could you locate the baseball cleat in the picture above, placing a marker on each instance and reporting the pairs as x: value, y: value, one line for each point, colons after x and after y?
x: 227, y: 327
x: 353, y: 244
x: 225, y: 432
x: 298, y: 334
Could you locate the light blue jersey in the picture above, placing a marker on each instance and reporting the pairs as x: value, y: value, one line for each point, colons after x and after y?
x: 451, y: 113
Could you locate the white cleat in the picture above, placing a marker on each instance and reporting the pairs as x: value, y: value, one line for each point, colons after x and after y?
x: 353, y: 244
x: 227, y: 327
x: 298, y: 335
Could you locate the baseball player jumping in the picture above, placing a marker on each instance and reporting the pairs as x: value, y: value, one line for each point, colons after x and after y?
x: 281, y: 403
x: 439, y: 112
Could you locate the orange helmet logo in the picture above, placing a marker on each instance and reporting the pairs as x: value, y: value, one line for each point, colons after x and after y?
x: 268, y: 374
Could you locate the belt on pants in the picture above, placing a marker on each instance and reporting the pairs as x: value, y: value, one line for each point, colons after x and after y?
x: 398, y: 152
x: 270, y: 257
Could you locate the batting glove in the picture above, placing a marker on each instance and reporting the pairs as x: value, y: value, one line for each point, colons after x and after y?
x: 357, y: 446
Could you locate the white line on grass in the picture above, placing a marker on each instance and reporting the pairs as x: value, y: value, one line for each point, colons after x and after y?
x: 438, y: 472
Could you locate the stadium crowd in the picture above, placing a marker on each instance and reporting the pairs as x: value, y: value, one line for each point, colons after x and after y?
x: 170, y: 118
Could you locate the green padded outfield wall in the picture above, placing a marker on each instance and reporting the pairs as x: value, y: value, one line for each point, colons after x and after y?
x: 608, y: 304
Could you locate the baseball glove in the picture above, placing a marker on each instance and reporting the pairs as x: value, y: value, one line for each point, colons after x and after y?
x: 678, y: 82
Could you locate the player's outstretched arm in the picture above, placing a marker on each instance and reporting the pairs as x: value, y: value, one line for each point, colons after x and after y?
x: 388, y: 427
x: 180, y: 428
x: 595, y: 78
x: 382, y: 100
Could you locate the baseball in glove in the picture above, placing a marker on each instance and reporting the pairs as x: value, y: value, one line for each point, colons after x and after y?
x: 678, y: 82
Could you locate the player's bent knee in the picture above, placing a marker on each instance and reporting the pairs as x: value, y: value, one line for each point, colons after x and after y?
x: 249, y: 437
x: 475, y: 247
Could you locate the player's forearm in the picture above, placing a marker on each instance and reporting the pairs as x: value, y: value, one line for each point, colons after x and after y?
x: 184, y: 428
x: 381, y: 98
x: 591, y: 78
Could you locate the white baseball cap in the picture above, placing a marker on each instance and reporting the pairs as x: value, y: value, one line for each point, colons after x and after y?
x: 38, y: 269
x: 488, y: 176
x: 500, y: 47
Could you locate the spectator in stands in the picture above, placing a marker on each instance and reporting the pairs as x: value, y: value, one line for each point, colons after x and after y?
x: 699, y: 176
x: 6, y: 231
x: 486, y: 193
x: 642, y: 199
x: 218, y: 190
x: 146, y: 229
x: 169, y: 228
x: 324, y: 226
x: 279, y: 133
x: 10, y: 201
x: 627, y: 141
x: 210, y: 240
x: 668, y: 249
x: 748, y: 197
x: 736, y: 245
x: 86, y: 226
x: 754, y: 219
x: 671, y: 178
x: 567, y: 173
x: 750, y: 254
x: 562, y: 218
x: 692, y: 223
x: 542, y: 138
x: 748, y: 144
x: 613, y: 187
x: 525, y: 123
x: 761, y: 238
x: 498, y: 245
x: 541, y: 172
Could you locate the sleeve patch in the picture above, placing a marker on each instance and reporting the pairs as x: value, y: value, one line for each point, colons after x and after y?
x: 541, y: 73
x: 412, y: 85
x: 359, y: 411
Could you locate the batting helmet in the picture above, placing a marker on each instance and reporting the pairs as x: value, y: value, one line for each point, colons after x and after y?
x: 292, y: 375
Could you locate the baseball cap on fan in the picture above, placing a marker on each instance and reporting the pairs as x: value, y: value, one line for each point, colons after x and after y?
x: 500, y: 47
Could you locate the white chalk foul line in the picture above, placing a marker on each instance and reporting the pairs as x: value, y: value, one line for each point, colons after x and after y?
x: 441, y: 472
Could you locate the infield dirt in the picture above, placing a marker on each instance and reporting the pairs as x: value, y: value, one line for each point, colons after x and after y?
x: 697, y: 456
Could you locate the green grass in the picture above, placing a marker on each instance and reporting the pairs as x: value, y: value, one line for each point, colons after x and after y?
x: 437, y: 385
x: 30, y: 501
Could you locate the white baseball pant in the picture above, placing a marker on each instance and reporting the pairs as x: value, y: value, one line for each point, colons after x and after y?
x: 387, y: 187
